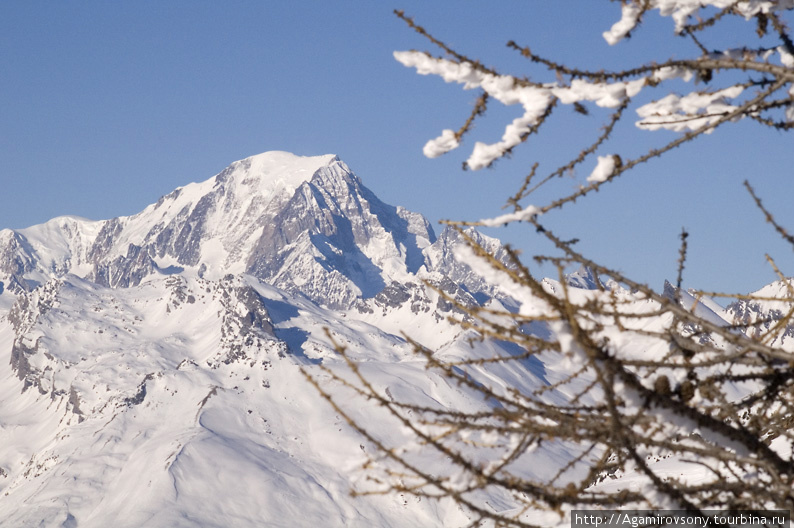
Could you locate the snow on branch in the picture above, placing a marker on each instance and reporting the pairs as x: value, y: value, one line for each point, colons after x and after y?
x: 535, y: 100
x: 524, y: 214
x: 682, y: 10
x: 447, y: 141
x: 606, y: 95
x: 752, y: 81
x: 631, y: 17
x: 604, y: 169
x: 693, y: 111
x: 673, y: 112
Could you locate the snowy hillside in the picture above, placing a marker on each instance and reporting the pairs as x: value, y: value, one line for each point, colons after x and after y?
x: 139, y: 406
x: 153, y: 368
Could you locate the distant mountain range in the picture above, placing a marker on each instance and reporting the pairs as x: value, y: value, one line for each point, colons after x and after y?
x: 150, y: 365
x: 303, y: 224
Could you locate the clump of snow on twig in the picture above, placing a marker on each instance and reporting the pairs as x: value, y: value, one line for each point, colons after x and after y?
x: 606, y: 95
x: 693, y: 111
x: 630, y: 16
x: 518, y: 216
x: 604, y: 169
x: 441, y: 145
x: 786, y: 58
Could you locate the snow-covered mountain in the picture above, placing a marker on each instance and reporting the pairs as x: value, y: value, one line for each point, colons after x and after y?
x: 153, y: 367
x: 150, y: 365
x: 304, y: 224
x: 763, y: 309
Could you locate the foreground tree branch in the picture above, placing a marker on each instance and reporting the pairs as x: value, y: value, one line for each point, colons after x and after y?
x: 647, y: 380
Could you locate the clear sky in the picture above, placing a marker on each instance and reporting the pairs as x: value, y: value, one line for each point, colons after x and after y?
x: 106, y: 106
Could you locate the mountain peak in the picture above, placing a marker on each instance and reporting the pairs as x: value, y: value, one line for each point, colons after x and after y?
x: 261, y: 176
x: 277, y: 169
x: 304, y: 224
x: 281, y: 158
x: 277, y: 215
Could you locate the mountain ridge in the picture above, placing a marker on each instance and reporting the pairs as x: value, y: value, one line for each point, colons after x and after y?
x: 305, y: 224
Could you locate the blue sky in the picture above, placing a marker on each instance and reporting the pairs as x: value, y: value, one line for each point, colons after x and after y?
x: 109, y: 105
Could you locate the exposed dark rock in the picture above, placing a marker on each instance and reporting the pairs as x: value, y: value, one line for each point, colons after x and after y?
x: 30, y: 306
x: 584, y: 278
x: 20, y: 364
x: 246, y: 325
x: 16, y: 257
x: 393, y: 295
x: 140, y: 395
x: 126, y: 271
x: 74, y: 401
x: 441, y: 257
x: 104, y: 241
x: 458, y: 297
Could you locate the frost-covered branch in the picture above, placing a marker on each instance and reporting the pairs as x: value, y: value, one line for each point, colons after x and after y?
x: 650, y: 389
x: 699, y: 111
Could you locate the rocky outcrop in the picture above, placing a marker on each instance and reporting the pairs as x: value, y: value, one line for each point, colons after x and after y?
x: 757, y: 317
x: 29, y: 361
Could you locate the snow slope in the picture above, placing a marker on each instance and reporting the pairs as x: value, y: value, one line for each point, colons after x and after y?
x: 181, y: 402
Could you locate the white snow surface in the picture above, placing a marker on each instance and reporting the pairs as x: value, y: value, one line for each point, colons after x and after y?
x: 180, y: 401
x: 148, y: 416
x: 62, y: 243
